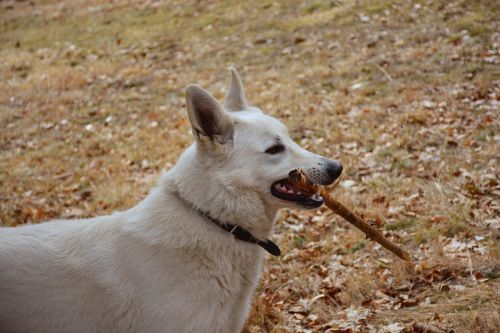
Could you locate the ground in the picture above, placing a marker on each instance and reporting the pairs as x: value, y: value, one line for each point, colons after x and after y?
x: 404, y: 93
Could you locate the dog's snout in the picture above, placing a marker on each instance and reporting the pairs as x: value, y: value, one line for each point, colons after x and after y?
x: 328, y: 172
x: 334, y: 169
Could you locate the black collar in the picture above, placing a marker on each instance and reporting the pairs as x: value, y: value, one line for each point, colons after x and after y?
x: 241, y: 234
x: 244, y: 235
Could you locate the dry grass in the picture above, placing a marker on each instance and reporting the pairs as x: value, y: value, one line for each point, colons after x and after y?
x: 404, y: 93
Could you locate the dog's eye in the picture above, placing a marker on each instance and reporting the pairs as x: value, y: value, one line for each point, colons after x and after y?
x: 276, y: 149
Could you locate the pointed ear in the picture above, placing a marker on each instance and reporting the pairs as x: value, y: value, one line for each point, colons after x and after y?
x: 235, y: 99
x: 207, y: 116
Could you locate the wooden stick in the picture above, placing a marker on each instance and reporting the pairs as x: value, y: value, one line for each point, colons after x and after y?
x: 299, y: 179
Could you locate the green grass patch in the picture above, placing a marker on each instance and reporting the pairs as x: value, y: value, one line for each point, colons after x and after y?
x: 474, y: 304
x: 476, y: 23
x: 299, y: 241
x: 377, y: 7
x: 425, y: 234
x: 358, y: 246
x: 401, y: 224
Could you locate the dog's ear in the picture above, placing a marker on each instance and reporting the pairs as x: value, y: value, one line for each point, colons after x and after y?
x: 235, y: 99
x: 208, y: 118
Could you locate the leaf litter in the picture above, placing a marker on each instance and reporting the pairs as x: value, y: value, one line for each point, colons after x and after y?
x: 404, y: 94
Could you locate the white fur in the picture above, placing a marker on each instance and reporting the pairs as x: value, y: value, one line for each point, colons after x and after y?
x: 159, y: 266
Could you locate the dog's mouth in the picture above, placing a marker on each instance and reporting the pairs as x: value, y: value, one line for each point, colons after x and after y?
x: 284, y: 190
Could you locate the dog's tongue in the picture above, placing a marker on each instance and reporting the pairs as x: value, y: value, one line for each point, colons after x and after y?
x: 288, y: 188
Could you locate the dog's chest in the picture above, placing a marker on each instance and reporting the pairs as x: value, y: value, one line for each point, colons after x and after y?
x: 233, y: 271
x: 210, y: 289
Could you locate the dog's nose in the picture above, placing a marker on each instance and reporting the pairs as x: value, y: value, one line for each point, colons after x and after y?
x: 334, y: 169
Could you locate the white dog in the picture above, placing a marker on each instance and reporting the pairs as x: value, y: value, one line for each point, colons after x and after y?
x: 188, y: 257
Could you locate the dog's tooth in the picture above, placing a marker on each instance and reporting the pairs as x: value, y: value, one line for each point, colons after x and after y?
x: 316, y: 197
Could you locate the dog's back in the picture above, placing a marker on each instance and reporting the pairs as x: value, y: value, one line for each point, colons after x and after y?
x: 52, y: 275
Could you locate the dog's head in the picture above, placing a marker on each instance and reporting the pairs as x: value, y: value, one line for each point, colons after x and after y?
x: 250, y: 151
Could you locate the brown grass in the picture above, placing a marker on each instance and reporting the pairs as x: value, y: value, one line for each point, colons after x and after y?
x: 405, y: 94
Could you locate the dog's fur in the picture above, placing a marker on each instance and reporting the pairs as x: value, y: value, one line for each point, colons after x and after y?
x: 161, y: 266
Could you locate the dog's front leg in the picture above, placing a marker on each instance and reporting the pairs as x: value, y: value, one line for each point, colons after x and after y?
x: 250, y: 274
x: 240, y: 311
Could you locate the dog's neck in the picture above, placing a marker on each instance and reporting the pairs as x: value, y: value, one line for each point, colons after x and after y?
x: 237, y: 231
x: 222, y: 201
